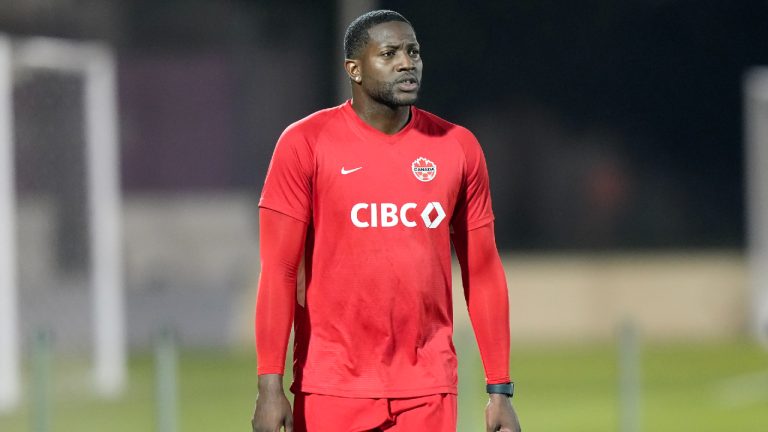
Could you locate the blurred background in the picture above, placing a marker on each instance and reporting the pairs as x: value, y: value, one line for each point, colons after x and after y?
x: 616, y: 144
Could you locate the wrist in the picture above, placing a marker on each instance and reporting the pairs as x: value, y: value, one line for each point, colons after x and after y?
x: 498, y: 398
x: 269, y: 383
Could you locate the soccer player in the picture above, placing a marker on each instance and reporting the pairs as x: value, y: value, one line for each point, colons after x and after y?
x: 360, y: 206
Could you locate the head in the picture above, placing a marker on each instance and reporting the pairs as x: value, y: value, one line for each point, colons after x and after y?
x: 383, y: 58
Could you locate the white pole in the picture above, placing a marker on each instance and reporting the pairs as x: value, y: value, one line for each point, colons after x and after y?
x: 166, y: 387
x: 9, y: 337
x: 104, y: 209
x: 629, y: 378
x: 41, y: 381
x: 756, y: 134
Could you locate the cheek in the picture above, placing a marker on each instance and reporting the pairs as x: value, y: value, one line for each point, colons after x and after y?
x: 377, y: 87
x: 375, y: 80
x: 377, y: 73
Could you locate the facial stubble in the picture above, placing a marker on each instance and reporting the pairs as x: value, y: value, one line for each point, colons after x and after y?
x: 384, y: 93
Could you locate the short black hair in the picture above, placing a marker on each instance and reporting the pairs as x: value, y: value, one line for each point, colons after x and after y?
x: 356, y: 36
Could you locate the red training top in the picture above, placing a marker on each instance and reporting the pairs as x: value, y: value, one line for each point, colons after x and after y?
x: 377, y: 317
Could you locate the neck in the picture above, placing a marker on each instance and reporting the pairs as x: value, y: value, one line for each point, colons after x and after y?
x: 389, y: 120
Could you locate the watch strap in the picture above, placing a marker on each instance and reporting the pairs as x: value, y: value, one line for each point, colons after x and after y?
x: 507, y: 388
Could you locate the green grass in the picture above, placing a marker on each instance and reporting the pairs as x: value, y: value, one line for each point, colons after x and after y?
x: 695, y: 387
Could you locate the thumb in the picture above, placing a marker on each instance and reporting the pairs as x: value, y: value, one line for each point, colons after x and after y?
x: 289, y: 424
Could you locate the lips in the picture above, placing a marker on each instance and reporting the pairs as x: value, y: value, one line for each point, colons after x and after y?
x: 408, y: 84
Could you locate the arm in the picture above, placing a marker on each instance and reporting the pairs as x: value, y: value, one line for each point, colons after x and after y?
x: 485, y: 290
x: 281, y: 243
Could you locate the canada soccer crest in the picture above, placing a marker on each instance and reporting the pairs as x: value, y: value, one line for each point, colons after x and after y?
x: 424, y: 169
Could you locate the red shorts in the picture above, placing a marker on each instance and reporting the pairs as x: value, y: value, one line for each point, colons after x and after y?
x: 321, y: 413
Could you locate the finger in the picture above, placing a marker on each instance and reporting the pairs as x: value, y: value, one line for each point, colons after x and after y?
x: 289, y: 424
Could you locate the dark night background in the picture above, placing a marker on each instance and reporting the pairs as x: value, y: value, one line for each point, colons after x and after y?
x: 606, y: 125
x: 657, y: 84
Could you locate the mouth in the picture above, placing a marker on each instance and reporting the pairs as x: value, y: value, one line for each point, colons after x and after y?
x: 408, y: 84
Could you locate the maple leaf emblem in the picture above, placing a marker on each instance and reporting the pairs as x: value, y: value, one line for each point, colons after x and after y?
x: 424, y: 169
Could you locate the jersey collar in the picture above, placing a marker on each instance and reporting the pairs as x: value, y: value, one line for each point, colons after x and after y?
x: 368, y: 132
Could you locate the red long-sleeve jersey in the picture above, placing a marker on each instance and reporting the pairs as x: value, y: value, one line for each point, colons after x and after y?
x: 374, y: 213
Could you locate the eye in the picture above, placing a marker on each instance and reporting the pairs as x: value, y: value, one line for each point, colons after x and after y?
x: 388, y: 53
x: 415, y: 52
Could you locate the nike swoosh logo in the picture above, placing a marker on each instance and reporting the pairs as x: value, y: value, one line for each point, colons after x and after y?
x: 345, y: 172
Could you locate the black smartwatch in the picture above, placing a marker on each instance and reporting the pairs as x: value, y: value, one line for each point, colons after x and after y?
x: 506, y: 389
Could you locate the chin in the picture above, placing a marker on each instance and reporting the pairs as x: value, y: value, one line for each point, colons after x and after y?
x: 394, y: 100
x: 407, y: 100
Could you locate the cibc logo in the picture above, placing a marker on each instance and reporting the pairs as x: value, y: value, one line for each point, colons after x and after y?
x: 385, y: 215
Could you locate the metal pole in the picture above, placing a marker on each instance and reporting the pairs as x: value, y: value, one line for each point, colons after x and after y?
x: 41, y: 382
x: 9, y: 337
x: 105, y: 235
x: 629, y: 378
x: 756, y: 161
x: 165, y: 382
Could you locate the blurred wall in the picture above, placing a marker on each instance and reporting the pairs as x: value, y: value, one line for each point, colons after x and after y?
x: 608, y: 127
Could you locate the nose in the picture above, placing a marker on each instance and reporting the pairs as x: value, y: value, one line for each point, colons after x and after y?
x: 406, y: 63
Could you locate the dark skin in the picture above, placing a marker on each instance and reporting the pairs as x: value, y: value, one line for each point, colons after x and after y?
x: 385, y: 79
x: 386, y: 76
x: 273, y: 410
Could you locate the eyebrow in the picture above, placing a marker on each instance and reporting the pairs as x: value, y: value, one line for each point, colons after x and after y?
x: 392, y: 45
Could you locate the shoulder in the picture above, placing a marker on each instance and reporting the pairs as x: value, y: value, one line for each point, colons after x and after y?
x: 298, y: 141
x: 455, y: 134
x: 313, y: 125
x: 432, y: 124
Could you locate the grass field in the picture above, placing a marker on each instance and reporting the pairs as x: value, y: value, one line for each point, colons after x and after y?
x: 696, y: 387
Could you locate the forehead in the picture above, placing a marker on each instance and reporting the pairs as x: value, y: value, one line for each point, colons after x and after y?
x: 391, y: 33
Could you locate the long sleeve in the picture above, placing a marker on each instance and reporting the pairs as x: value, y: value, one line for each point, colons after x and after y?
x: 485, y: 290
x: 281, y: 243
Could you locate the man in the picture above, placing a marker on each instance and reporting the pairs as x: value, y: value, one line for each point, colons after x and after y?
x: 370, y: 195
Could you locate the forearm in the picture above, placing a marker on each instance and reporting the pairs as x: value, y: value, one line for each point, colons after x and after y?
x: 488, y: 306
x: 485, y: 290
x: 274, y: 315
x: 281, y: 245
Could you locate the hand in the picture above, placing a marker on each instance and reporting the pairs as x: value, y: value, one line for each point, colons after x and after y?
x: 273, y: 411
x: 500, y: 416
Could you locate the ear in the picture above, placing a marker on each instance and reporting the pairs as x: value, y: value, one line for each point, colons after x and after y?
x: 353, y: 70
